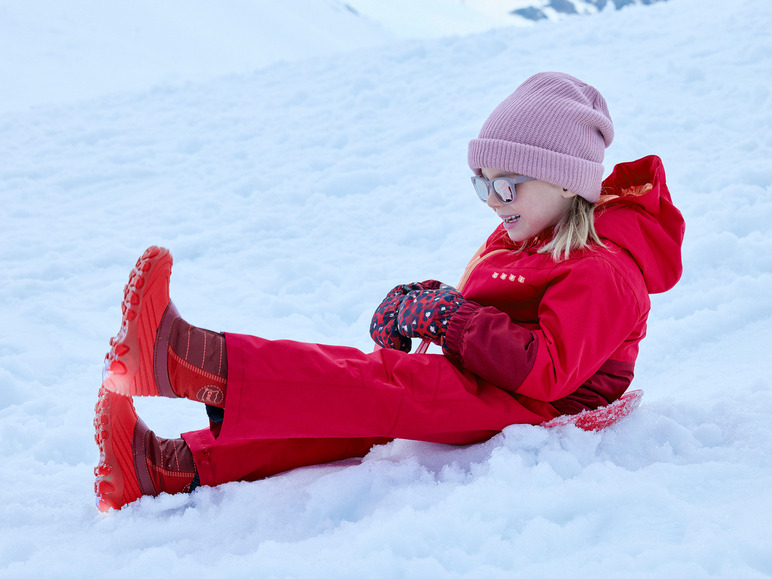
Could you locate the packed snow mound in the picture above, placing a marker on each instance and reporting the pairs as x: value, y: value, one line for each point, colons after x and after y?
x: 293, y: 198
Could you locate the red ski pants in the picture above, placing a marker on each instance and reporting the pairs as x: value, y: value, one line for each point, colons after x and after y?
x: 292, y: 404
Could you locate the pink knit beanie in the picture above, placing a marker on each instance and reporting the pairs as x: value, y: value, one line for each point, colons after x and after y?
x: 554, y: 128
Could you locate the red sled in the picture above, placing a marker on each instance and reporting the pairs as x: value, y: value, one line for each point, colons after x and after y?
x: 603, y: 417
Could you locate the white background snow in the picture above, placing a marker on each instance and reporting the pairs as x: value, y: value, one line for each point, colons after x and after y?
x: 295, y: 187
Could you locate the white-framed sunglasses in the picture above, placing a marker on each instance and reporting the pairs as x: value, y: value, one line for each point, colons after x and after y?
x: 503, y: 187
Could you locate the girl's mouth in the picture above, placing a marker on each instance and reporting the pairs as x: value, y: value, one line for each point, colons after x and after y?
x: 510, y: 220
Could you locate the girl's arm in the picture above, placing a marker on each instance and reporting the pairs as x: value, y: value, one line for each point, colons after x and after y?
x: 592, y: 311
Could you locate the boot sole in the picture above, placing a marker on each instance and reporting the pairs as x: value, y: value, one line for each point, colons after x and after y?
x: 129, y: 365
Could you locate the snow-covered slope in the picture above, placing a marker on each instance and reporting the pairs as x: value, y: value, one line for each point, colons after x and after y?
x: 292, y: 198
x: 64, y: 52
x: 52, y: 52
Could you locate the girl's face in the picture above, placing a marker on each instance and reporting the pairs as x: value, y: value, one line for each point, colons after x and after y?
x: 538, y: 205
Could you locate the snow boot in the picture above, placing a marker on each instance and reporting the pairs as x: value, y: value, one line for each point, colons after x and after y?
x: 197, y: 363
x: 157, y: 353
x: 133, y: 461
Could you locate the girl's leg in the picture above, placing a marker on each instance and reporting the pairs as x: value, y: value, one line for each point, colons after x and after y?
x: 157, y: 353
x: 134, y: 462
x: 255, y: 459
x: 285, y: 389
x: 290, y: 404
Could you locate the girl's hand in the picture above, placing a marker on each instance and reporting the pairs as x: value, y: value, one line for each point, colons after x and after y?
x: 383, y: 327
x: 426, y: 313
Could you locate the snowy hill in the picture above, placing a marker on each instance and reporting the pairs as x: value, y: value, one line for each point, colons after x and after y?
x: 54, y: 52
x: 293, y: 197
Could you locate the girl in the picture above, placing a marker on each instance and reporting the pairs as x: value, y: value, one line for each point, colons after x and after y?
x: 545, y: 321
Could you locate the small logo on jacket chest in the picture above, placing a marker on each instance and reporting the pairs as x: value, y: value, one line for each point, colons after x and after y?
x: 508, y: 277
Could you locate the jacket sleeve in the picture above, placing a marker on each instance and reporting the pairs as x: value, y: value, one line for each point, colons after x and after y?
x: 586, y: 313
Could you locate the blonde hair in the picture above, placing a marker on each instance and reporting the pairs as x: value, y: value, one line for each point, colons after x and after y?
x: 575, y: 231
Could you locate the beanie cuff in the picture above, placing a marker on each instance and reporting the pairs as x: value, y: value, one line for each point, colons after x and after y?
x: 578, y: 175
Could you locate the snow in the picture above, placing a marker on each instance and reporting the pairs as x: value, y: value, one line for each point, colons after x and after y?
x: 437, y: 18
x: 293, y: 196
x: 55, y: 52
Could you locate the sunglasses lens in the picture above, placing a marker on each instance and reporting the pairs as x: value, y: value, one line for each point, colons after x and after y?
x: 504, y: 191
x: 481, y: 188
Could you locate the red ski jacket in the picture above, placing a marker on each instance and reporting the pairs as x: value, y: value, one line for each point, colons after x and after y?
x: 567, y: 333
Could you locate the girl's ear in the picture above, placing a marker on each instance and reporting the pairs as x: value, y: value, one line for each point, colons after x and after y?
x: 566, y: 194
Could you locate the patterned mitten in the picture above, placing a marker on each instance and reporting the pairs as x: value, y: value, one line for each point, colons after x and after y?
x: 426, y: 313
x: 383, y: 327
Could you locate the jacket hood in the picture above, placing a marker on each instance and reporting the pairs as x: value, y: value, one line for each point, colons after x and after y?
x: 636, y: 213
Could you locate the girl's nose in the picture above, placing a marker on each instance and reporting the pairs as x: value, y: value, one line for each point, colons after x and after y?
x: 493, y: 201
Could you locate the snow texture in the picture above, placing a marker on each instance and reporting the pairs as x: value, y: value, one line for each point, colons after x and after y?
x: 293, y: 197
